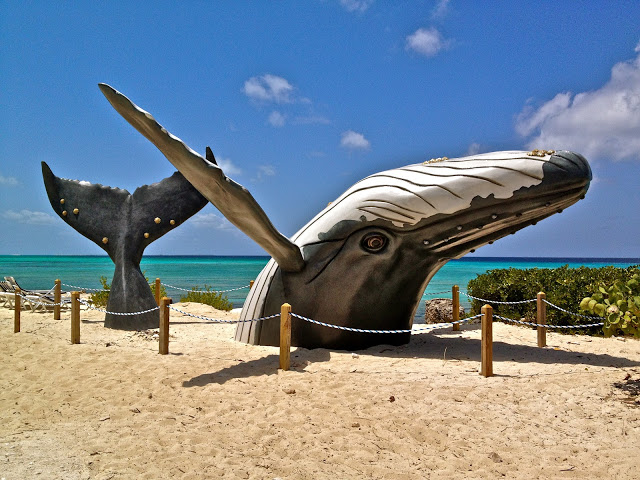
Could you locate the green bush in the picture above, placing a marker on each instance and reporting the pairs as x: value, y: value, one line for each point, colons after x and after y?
x: 618, y: 305
x: 208, y: 297
x: 101, y: 297
x: 563, y: 286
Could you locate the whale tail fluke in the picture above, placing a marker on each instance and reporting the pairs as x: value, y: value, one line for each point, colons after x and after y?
x: 123, y: 225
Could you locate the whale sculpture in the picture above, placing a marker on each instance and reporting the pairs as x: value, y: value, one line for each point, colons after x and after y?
x: 123, y: 225
x: 365, y: 260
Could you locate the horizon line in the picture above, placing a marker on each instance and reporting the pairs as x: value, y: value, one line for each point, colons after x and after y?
x: 490, y: 257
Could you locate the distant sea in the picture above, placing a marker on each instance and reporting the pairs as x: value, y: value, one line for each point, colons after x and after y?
x: 222, y: 273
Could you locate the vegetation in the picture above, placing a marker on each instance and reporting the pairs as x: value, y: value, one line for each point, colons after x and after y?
x: 208, y: 297
x: 101, y: 297
x: 619, y: 306
x: 564, y: 287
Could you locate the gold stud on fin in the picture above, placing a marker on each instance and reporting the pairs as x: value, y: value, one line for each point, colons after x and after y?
x: 76, y: 211
x: 157, y: 220
x: 105, y: 240
x: 146, y: 235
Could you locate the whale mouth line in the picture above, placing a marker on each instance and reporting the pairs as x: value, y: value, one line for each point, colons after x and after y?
x: 477, y: 231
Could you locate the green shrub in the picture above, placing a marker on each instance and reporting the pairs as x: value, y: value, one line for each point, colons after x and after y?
x: 618, y: 305
x: 208, y: 297
x: 101, y: 297
x: 563, y: 286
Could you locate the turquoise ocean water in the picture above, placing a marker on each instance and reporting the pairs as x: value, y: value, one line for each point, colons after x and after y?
x: 222, y: 273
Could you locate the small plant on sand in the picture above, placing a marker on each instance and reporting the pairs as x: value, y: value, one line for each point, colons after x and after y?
x: 100, y: 298
x: 618, y: 305
x: 208, y: 297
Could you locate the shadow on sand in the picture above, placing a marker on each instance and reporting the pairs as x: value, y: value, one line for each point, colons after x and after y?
x: 447, y: 344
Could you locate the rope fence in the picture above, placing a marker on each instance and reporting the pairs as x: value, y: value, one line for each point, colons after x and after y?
x: 286, y: 315
x: 363, y: 330
x: 216, y: 291
x: 218, y: 320
x: 90, y: 306
x: 544, y: 325
x: 496, y: 301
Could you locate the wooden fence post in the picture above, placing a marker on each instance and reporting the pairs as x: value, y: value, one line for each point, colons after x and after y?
x: 75, y: 317
x: 542, y: 319
x: 455, y: 297
x: 486, y: 354
x: 57, y: 298
x: 158, y: 291
x: 164, y: 326
x: 285, y: 336
x: 17, y: 307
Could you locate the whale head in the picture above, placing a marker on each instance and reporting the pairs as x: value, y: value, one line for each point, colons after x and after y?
x: 371, y: 253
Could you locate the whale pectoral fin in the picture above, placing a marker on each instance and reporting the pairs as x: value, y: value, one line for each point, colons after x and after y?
x: 163, y: 206
x: 92, y: 209
x: 232, y: 199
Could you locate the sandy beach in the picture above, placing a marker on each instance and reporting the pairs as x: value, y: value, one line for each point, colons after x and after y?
x: 113, y: 408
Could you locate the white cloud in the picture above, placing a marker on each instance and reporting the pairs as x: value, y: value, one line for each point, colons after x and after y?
x: 474, y: 149
x: 530, y: 119
x: 269, y: 88
x: 440, y: 10
x: 11, y: 181
x: 267, y: 170
x: 359, y: 6
x: 29, y: 217
x: 276, y: 119
x: 210, y: 220
x: 264, y: 171
x: 427, y: 42
x: 602, y: 123
x: 228, y: 167
x: 353, y: 140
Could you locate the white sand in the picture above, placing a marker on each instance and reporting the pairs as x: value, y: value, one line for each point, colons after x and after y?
x: 113, y: 408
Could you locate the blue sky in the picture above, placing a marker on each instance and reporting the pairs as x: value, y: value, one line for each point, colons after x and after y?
x: 299, y: 100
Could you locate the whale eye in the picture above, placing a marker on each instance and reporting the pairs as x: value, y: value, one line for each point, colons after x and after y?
x: 374, y: 242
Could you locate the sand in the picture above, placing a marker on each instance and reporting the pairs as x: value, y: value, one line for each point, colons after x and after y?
x: 113, y: 408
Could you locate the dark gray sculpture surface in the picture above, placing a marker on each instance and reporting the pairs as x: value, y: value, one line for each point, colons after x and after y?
x: 364, y: 261
x: 123, y: 225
